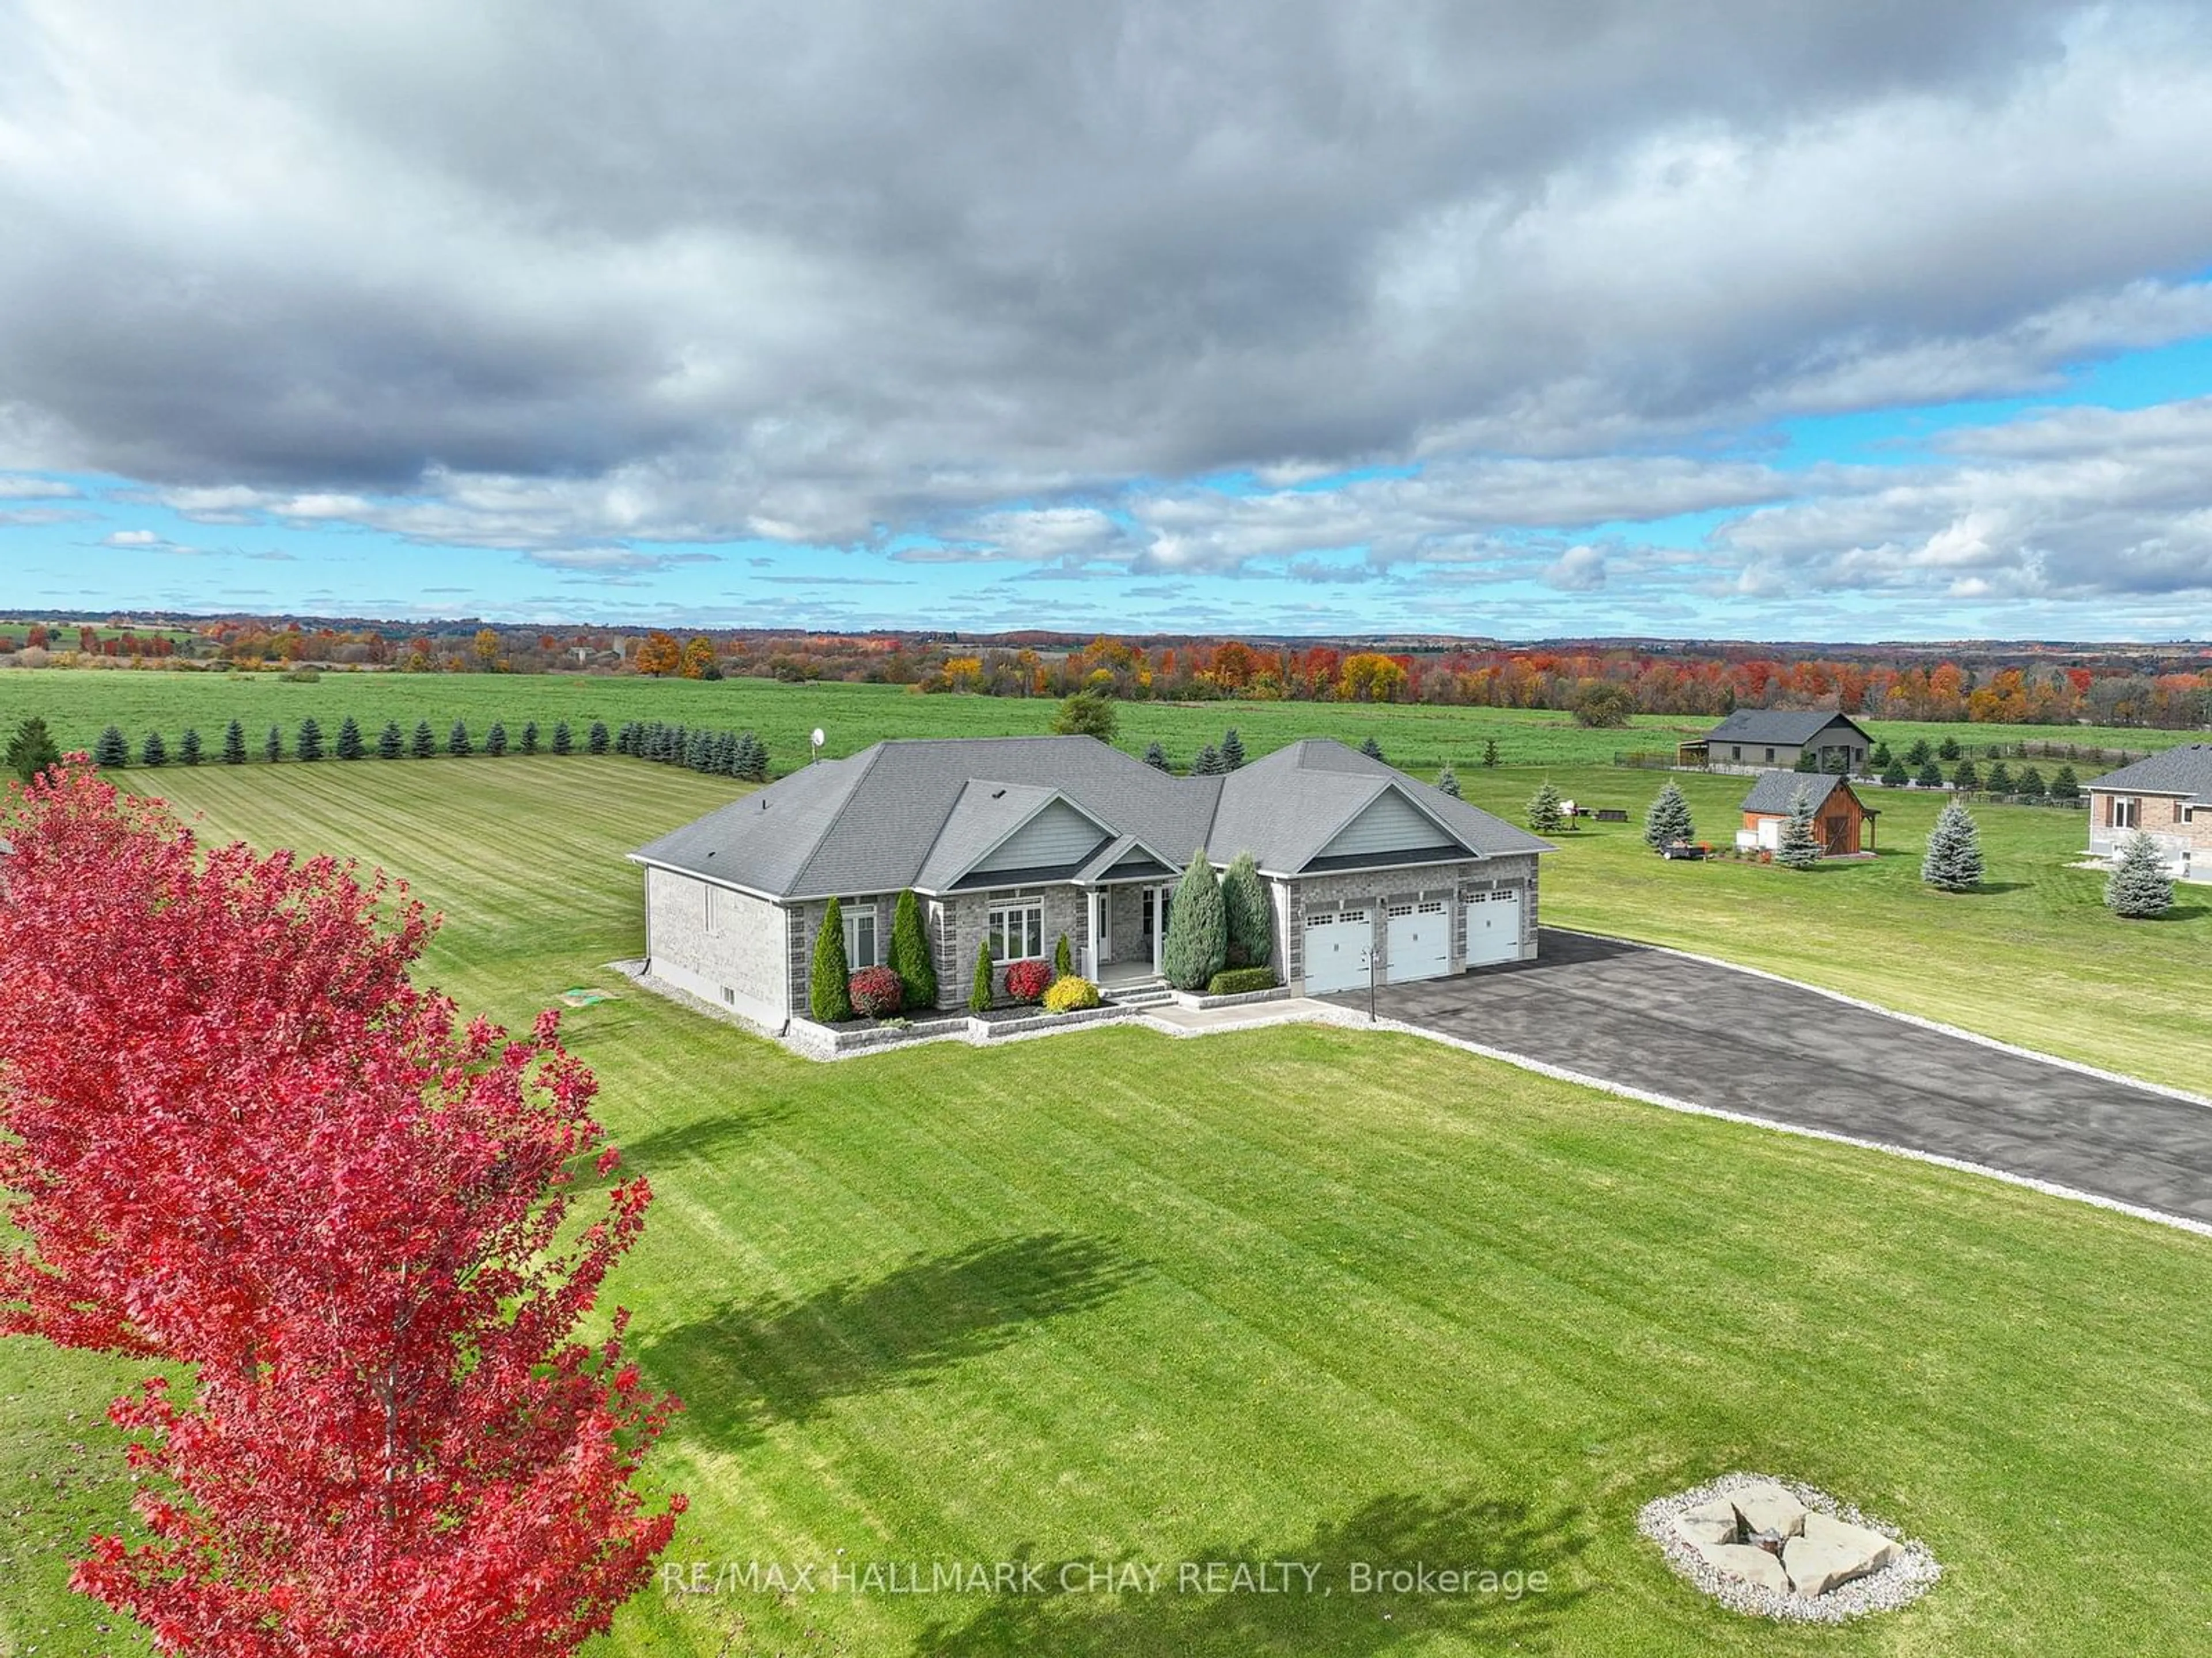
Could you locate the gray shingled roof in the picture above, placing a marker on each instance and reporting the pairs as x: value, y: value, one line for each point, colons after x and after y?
x: 1774, y: 791
x: 1794, y: 727
x: 901, y: 811
x: 2185, y: 770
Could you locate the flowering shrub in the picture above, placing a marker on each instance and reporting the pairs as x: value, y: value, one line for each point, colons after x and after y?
x: 1027, y: 982
x: 877, y: 991
x: 1069, y: 993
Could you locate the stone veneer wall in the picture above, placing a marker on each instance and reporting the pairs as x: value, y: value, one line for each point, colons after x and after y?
x: 1294, y: 900
x: 737, y: 964
x: 959, y: 924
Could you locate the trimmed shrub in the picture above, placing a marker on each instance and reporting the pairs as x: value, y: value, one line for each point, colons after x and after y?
x: 112, y: 749
x: 426, y: 741
x: 876, y: 993
x: 154, y: 752
x: 1063, y: 958
x: 1028, y: 980
x: 457, y: 740
x: 495, y: 739
x: 909, y: 956
x: 1198, y: 927
x: 978, y: 991
x: 1069, y: 994
x: 1240, y: 981
x: 828, y: 1000
x: 233, y: 745
x: 390, y: 745
x: 597, y: 742
x: 564, y: 740
x: 1245, y: 910
x: 311, y: 739
x: 188, y: 747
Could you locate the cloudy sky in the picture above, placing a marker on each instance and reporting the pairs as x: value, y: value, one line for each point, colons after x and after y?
x: 1836, y: 319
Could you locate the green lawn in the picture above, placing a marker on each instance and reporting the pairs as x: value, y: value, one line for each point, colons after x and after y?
x: 77, y: 703
x: 1302, y: 1294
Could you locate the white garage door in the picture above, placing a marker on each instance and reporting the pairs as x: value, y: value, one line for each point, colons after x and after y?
x: 1494, y: 928
x: 1336, y: 951
x: 1420, y: 942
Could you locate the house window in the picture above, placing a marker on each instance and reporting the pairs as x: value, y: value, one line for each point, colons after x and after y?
x: 1735, y: 751
x: 2123, y: 813
x: 1017, y: 932
x: 1770, y: 754
x: 861, y: 938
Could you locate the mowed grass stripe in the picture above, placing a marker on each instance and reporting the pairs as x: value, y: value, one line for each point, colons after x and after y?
x: 1293, y: 1290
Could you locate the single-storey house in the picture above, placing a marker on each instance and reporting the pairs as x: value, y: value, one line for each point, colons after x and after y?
x: 1844, y: 822
x: 1777, y: 736
x: 2170, y: 796
x: 1018, y: 841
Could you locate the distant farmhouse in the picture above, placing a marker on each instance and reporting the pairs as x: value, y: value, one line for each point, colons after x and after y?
x: 1777, y: 737
x: 1842, y: 823
x: 1018, y: 841
x: 2169, y: 795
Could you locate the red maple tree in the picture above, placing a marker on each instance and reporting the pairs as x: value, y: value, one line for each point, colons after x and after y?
x: 244, y: 1140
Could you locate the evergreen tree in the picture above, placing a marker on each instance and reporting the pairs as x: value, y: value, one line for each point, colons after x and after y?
x: 909, y: 956
x: 1838, y: 762
x: 2065, y: 786
x: 1372, y: 749
x: 2030, y: 783
x: 1197, y: 946
x: 1208, y: 763
x: 1893, y: 776
x: 32, y: 750
x: 597, y: 742
x: 697, y: 748
x: 828, y: 1000
x: 979, y: 987
x: 1930, y: 775
x: 564, y: 740
x: 1489, y: 751
x: 2139, y: 887
x: 1232, y: 751
x: 1807, y: 761
x: 188, y: 747
x: 1448, y: 780
x: 154, y: 752
x: 1964, y: 776
x: 1880, y: 758
x: 1156, y: 757
x: 112, y: 750
x: 233, y: 744
x: 626, y: 741
x: 1800, y: 848
x: 457, y: 740
x: 1952, y: 862
x: 425, y: 743
x: 530, y: 737
x: 1948, y: 750
x: 1999, y: 780
x: 272, y: 746
x: 1086, y: 713
x: 1545, y: 815
x: 1063, y: 958
x: 390, y: 744
x: 311, y: 739
x: 1667, y: 820
x: 495, y: 739
x: 349, y: 746
x: 1919, y: 754
x: 1250, y: 918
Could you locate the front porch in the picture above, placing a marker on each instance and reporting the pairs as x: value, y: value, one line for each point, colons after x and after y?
x: 1125, y: 941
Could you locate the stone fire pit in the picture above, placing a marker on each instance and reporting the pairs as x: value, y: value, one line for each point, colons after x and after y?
x: 1776, y: 1550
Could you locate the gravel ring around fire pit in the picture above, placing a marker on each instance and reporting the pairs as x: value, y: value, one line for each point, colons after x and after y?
x: 1899, y: 1583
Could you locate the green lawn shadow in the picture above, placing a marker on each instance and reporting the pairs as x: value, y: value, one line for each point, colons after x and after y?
x: 1448, y: 1530
x: 752, y: 1363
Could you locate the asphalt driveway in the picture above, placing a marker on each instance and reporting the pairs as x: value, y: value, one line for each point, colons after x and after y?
x: 1734, y: 1042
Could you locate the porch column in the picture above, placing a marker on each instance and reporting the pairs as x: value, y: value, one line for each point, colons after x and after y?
x: 1091, y: 963
x: 1159, y: 939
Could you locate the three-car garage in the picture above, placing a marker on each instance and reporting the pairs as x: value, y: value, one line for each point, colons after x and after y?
x: 1404, y: 939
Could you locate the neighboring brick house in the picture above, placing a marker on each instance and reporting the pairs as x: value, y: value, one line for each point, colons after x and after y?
x: 1843, y: 823
x: 1018, y: 841
x: 1777, y: 736
x: 2169, y: 796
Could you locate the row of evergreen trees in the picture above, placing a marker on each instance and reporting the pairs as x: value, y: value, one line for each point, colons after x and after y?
x: 720, y: 754
x: 113, y: 751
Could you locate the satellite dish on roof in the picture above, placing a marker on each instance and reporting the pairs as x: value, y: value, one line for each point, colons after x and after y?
x: 817, y: 740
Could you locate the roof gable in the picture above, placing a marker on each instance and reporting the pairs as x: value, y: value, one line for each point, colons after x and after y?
x: 1774, y: 793
x: 1791, y: 727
